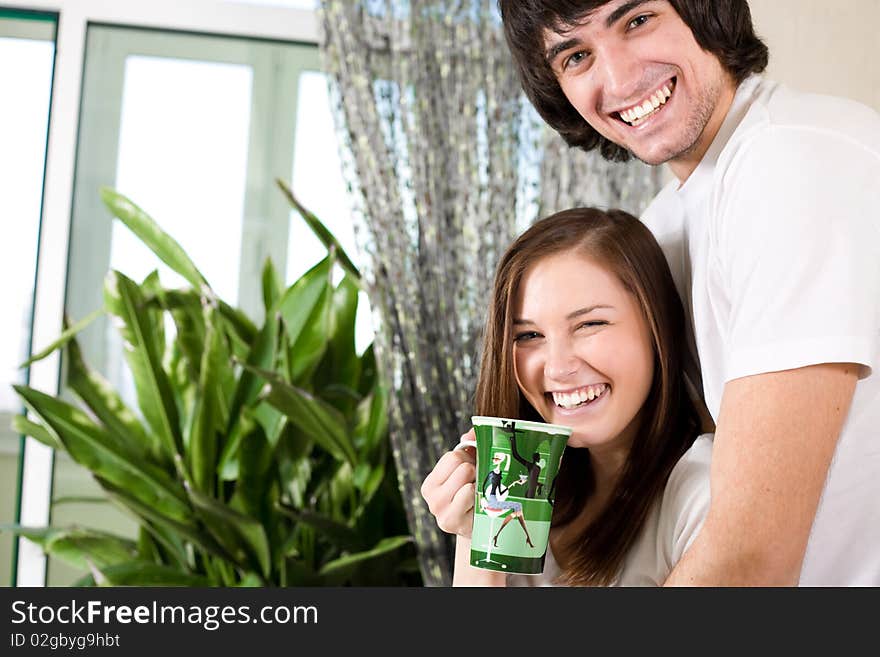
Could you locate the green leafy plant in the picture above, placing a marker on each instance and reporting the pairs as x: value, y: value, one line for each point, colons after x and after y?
x: 259, y: 455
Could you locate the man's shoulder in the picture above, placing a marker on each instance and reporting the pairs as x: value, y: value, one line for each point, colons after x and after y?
x: 779, y: 112
x: 663, y: 214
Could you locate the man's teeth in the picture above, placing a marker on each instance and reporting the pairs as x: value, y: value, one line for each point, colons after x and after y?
x: 573, y: 399
x: 639, y: 112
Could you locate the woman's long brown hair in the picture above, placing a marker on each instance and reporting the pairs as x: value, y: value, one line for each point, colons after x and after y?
x: 670, y: 421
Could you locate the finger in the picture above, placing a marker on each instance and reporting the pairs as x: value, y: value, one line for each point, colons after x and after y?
x: 465, y: 473
x: 458, y: 518
x: 445, y: 467
x: 441, y: 497
x: 463, y: 500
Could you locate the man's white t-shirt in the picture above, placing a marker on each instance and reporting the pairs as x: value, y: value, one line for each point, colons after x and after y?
x: 774, y: 242
x: 671, y: 526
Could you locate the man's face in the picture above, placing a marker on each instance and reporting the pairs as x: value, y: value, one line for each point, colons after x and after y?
x: 636, y: 74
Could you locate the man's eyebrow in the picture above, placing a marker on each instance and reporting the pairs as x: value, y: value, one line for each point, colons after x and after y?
x: 572, y: 315
x: 622, y: 10
x: 554, y: 50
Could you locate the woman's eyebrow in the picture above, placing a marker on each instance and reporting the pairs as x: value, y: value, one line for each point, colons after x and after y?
x: 587, y: 310
x: 572, y: 315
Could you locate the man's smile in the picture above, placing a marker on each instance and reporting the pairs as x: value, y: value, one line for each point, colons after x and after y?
x: 641, y: 111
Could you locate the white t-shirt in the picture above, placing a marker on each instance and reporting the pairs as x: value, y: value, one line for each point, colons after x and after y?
x: 671, y: 526
x: 774, y: 242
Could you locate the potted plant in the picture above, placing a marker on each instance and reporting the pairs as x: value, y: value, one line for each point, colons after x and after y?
x: 256, y: 455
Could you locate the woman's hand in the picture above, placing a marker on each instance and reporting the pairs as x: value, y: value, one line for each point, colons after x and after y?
x: 449, y: 489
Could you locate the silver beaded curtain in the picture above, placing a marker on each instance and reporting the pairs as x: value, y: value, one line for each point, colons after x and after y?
x: 572, y: 178
x: 443, y: 156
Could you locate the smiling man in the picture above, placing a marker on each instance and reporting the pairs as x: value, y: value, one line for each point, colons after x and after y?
x: 771, y: 229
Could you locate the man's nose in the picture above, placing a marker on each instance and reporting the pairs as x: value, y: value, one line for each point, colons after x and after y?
x: 621, y: 73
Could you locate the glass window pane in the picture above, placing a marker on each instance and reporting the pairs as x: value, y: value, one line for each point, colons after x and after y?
x: 194, y: 129
x: 23, y: 132
x: 319, y: 185
x: 183, y: 158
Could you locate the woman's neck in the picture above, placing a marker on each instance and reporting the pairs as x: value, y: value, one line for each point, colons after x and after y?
x: 607, y: 466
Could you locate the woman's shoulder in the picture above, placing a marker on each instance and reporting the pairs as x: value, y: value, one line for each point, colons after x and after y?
x: 693, y: 465
x: 686, y: 497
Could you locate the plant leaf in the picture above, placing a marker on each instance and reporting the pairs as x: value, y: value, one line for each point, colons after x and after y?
x: 92, y: 446
x: 151, y: 287
x: 341, y: 367
x: 320, y: 231
x: 124, y: 299
x: 146, y: 573
x: 209, y: 412
x: 241, y: 323
x: 339, y: 534
x: 372, y: 419
x: 102, y: 549
x: 190, y: 324
x: 320, y: 421
x: 152, y: 235
x: 341, y: 568
x: 272, y: 287
x: 74, y: 545
x: 256, y: 474
x: 63, y: 339
x: 243, y: 535
x: 21, y: 425
x: 262, y: 355
x: 78, y: 499
x: 300, y: 300
x: 107, y: 405
x: 306, y: 352
x: 163, y: 528
x: 250, y: 581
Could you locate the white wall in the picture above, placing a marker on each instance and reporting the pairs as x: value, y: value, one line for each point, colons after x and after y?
x: 826, y: 46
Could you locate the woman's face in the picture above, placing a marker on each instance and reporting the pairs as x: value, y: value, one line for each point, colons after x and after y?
x: 583, y: 352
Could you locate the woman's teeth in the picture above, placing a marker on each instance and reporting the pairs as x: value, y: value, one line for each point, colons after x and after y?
x: 638, y: 113
x: 569, y: 400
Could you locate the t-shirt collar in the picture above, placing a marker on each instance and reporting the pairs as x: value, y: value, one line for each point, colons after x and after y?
x: 742, y: 101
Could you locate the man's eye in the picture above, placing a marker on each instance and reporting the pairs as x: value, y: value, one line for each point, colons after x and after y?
x: 637, y: 21
x: 574, y: 60
x: 524, y: 337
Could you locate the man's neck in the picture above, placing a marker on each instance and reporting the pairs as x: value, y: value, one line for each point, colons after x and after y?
x: 684, y: 165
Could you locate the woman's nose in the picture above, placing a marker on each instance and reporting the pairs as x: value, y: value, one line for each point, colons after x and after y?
x: 561, y: 364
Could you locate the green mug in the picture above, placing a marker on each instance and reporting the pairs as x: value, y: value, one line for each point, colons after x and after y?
x: 517, y: 464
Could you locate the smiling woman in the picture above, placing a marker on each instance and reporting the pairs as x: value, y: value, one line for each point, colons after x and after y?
x: 585, y: 329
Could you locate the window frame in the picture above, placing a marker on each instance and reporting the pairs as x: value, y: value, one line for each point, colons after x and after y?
x: 213, y: 17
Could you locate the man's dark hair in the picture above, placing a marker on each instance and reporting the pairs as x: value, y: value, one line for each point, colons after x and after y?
x: 721, y: 27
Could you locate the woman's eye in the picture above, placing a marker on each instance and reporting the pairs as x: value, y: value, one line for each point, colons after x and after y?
x: 524, y: 337
x: 593, y: 324
x: 638, y: 20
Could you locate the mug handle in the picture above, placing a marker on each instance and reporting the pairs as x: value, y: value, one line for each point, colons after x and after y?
x: 465, y: 443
